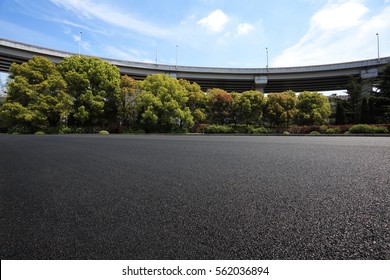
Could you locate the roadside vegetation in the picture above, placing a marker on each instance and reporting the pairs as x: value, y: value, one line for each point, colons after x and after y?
x: 88, y: 95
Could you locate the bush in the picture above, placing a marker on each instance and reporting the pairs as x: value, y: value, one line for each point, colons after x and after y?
x: 315, y: 132
x: 62, y: 129
x: 367, y: 129
x: 323, y: 129
x: 39, y: 133
x: 286, y: 133
x: 20, y: 129
x: 299, y: 129
x: 199, y: 128
x: 335, y: 130
x: 78, y: 130
x: 105, y: 132
x: 219, y: 129
x: 260, y: 130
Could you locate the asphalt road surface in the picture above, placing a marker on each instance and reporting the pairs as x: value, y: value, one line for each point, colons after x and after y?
x: 194, y: 197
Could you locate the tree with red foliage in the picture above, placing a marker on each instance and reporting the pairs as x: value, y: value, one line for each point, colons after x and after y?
x: 220, y: 105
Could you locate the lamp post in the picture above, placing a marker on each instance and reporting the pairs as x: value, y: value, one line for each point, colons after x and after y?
x: 177, y: 46
x: 266, y: 49
x: 377, y: 43
x: 81, y: 33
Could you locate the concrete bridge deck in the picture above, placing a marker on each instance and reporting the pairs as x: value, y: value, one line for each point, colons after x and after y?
x: 314, y: 78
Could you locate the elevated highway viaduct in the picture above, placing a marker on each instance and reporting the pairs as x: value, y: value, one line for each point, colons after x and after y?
x: 314, y: 78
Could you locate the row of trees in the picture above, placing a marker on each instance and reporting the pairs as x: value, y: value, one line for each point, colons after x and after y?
x: 372, y: 107
x: 86, y: 94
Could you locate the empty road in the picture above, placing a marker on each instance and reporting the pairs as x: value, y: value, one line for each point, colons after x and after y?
x: 194, y: 197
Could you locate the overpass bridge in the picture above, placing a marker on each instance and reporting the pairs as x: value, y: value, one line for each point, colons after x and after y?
x: 314, y: 78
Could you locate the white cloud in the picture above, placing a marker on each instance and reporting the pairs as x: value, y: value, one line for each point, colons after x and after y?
x: 244, y: 29
x: 89, y: 9
x: 339, y: 32
x: 214, y: 22
x: 339, y: 16
x: 130, y: 54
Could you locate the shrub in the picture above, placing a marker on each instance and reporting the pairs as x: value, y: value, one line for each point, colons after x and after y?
x: 212, y: 129
x: 334, y: 130
x: 323, y: 128
x: 260, y: 130
x: 365, y: 128
x: 78, y: 130
x: 20, y: 129
x: 314, y: 132
x: 299, y: 129
x: 62, y: 129
x: 199, y: 128
x: 286, y: 133
x: 105, y: 132
x: 39, y: 133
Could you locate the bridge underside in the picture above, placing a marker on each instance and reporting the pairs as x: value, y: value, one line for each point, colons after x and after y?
x: 280, y: 85
x: 239, y: 85
x: 313, y: 78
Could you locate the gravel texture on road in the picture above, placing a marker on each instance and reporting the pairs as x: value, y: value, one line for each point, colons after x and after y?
x: 194, y: 197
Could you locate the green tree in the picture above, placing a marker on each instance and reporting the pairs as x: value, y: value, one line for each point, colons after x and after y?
x: 220, y: 105
x: 36, y: 97
x: 280, y: 109
x: 248, y: 107
x: 162, y: 106
x: 95, y: 86
x: 354, y: 90
x: 340, y: 114
x: 313, y: 109
x: 384, y: 82
x: 197, y: 100
x: 365, y: 111
x: 127, y: 111
x: 379, y: 109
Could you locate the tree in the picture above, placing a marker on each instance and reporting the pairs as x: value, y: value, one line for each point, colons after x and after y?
x: 354, y: 90
x: 379, y: 109
x: 280, y: 109
x: 220, y: 105
x: 36, y: 97
x: 162, y: 106
x: 127, y: 113
x: 95, y: 86
x: 365, y: 111
x: 248, y: 107
x: 313, y: 109
x: 340, y: 114
x: 197, y: 100
x: 384, y: 82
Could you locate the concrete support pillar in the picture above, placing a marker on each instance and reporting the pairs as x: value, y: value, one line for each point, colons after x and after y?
x: 367, y: 75
x: 261, y: 83
x: 173, y: 75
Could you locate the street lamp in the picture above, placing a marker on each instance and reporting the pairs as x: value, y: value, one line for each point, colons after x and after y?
x: 177, y: 46
x: 266, y: 49
x: 377, y: 43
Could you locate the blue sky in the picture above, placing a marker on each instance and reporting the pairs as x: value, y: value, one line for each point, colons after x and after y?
x: 227, y: 33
